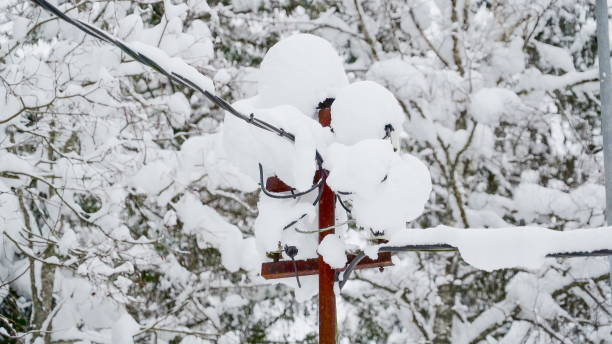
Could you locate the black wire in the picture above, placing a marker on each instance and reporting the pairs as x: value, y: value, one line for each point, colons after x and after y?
x: 323, y: 179
x: 293, y: 195
x: 184, y: 81
x: 388, y: 130
x: 294, y: 221
x: 349, y: 269
x: 342, y: 204
x: 297, y: 275
x: 321, y: 187
x: 292, y: 251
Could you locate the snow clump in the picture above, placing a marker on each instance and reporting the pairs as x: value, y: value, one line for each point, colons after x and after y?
x: 332, y: 249
x: 362, y: 110
x: 387, y: 190
x: 301, y: 70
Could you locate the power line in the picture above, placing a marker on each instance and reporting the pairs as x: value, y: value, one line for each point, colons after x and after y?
x: 446, y: 247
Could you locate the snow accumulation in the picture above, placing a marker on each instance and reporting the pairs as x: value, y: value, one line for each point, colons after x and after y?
x: 248, y: 146
x: 362, y: 110
x: 523, y: 247
x: 274, y: 215
x: 488, y: 104
x: 386, y: 189
x: 332, y: 250
x: 301, y: 70
x: 124, y: 329
x: 174, y: 65
x: 212, y: 228
x: 557, y: 57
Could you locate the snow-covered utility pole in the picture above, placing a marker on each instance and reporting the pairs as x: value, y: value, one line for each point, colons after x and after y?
x: 605, y: 93
x: 327, y: 275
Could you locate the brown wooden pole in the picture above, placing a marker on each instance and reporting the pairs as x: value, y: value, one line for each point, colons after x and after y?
x: 327, y: 297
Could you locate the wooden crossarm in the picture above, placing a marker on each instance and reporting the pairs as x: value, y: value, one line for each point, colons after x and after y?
x: 306, y: 267
x: 274, y: 184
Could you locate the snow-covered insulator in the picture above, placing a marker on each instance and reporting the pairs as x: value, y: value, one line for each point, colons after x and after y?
x: 366, y: 110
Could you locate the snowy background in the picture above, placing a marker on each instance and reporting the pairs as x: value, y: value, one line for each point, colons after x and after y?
x: 130, y: 210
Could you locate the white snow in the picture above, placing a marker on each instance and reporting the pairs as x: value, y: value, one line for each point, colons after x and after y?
x: 124, y: 329
x: 130, y: 27
x: 488, y: 104
x: 14, y: 163
x: 387, y: 190
x: 508, y: 59
x: 274, y: 215
x: 300, y: 70
x: 533, y: 79
x: 67, y: 242
x: 401, y: 76
x: 361, y: 111
x: 248, y: 146
x: 173, y: 65
x: 515, y: 247
x: 555, y: 56
x: 180, y: 110
x: 20, y: 27
x: 212, y: 229
x: 162, y: 179
x: 192, y: 340
x: 201, y: 155
x: 229, y: 338
x: 359, y: 168
x: 533, y: 200
x: 153, y: 177
x: 397, y: 200
x: 332, y: 249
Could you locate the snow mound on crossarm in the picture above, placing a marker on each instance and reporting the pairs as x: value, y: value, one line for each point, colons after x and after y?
x: 387, y: 190
x: 332, y: 250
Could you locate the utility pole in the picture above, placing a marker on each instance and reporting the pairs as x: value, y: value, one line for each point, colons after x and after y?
x: 605, y: 94
x: 317, y: 266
